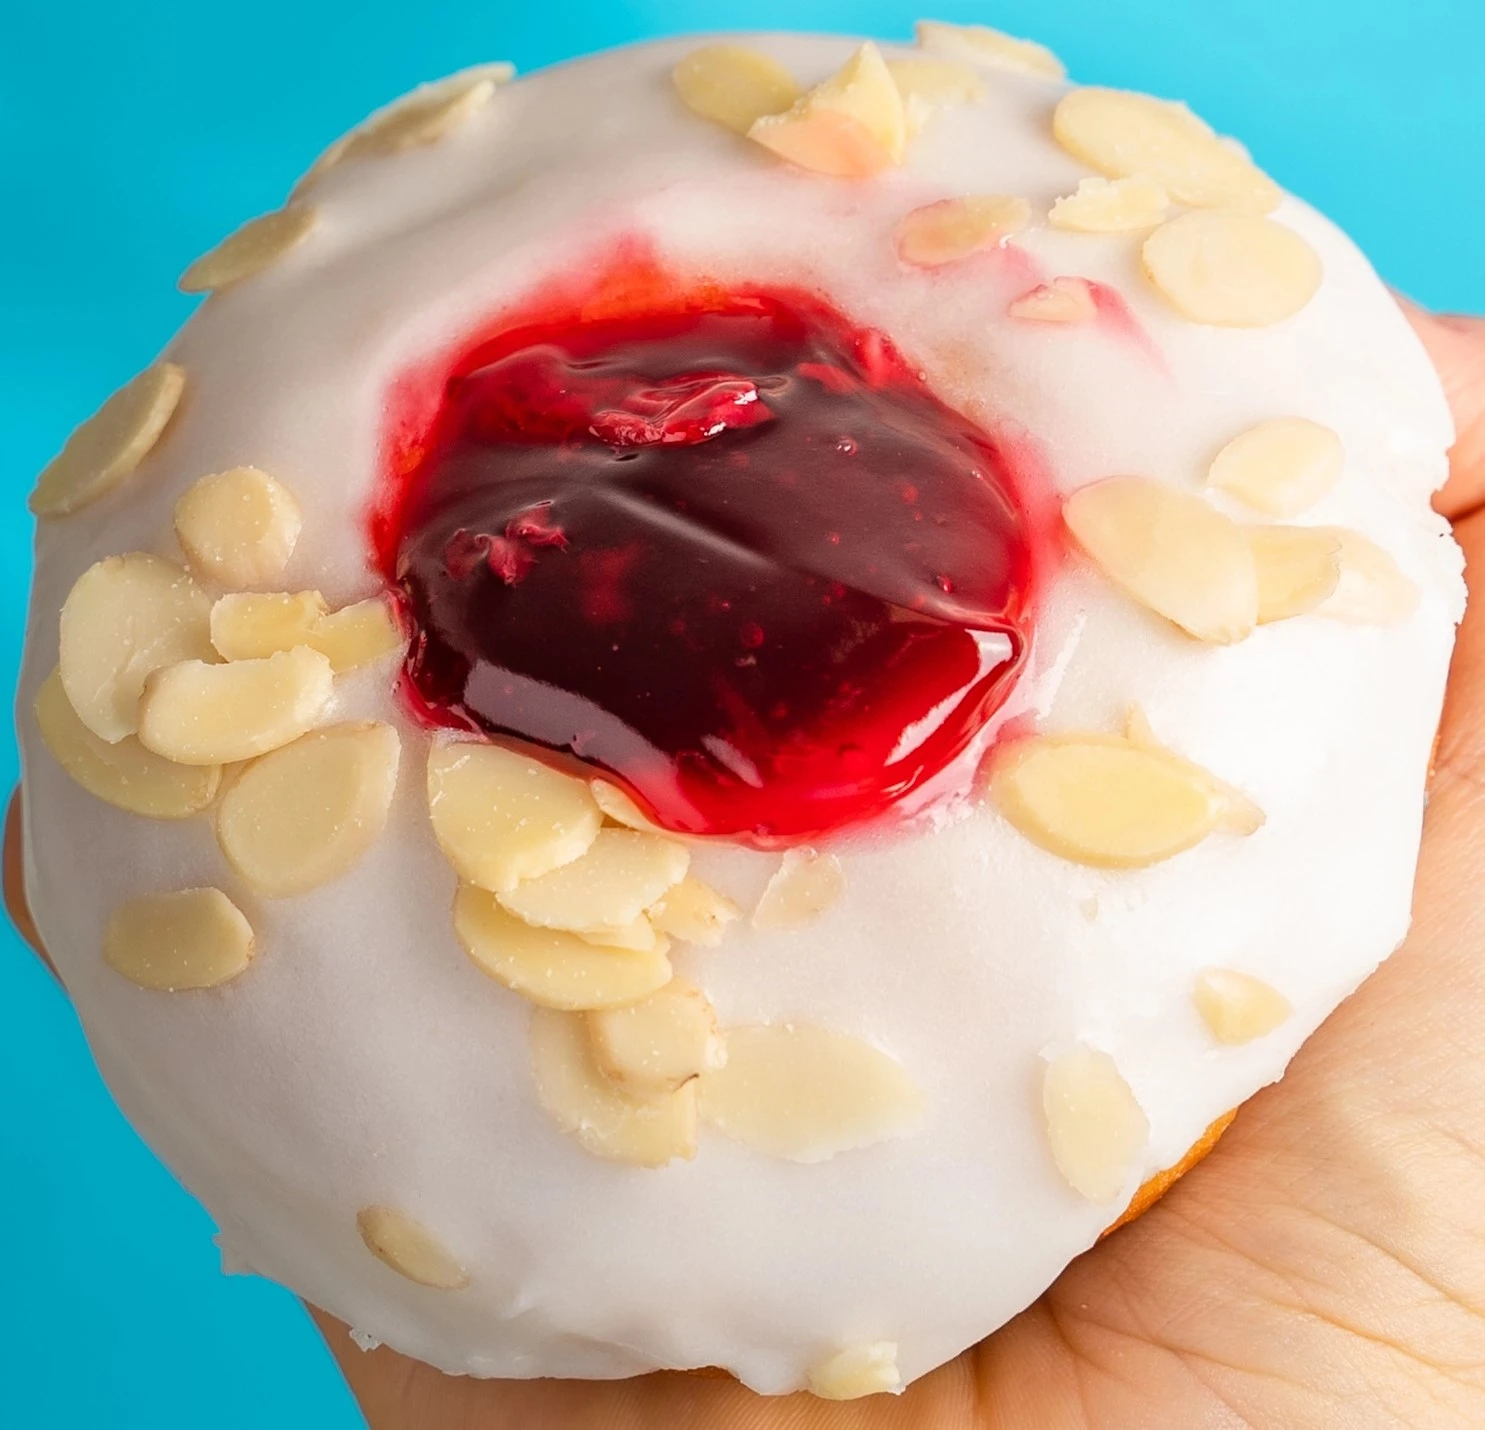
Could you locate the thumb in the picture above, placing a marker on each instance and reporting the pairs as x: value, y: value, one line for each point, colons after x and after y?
x: 1457, y: 347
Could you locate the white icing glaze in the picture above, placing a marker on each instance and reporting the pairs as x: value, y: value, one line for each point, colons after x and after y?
x: 363, y: 1059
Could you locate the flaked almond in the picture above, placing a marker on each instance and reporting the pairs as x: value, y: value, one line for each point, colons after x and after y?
x: 247, y: 251
x: 501, y: 817
x: 621, y: 875
x: 429, y: 113
x: 123, y: 773
x: 1281, y: 467
x: 1111, y: 206
x: 950, y: 229
x: 1097, y: 1129
x: 803, y: 887
x: 929, y: 85
x: 857, y: 1371
x: 1299, y: 568
x: 238, y: 527
x: 421, y: 117
x: 1063, y: 300
x: 582, y: 1101
x: 126, y: 617
x: 1171, y: 551
x: 618, y: 807
x: 652, y: 1047
x: 639, y: 934
x: 806, y: 1094
x: 196, y: 938
x: 1372, y: 591
x: 358, y: 634
x: 694, y: 912
x: 409, y: 1248
x: 107, y: 448
x: 1110, y: 801
x: 1232, y: 270
x: 853, y: 125
x: 1125, y: 135
x: 1237, y: 1007
x: 734, y: 86
x: 982, y: 45
x: 250, y: 625
x: 201, y: 714
x: 306, y: 813
x: 551, y: 967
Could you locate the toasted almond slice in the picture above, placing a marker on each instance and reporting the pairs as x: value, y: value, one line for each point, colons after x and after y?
x: 249, y: 625
x: 1372, y: 590
x: 951, y: 229
x: 1237, y: 1007
x: 327, y: 159
x: 982, y: 45
x: 197, y: 938
x: 617, y: 806
x: 608, y: 887
x: 1124, y: 135
x: 803, y: 887
x: 358, y: 634
x: 1232, y: 270
x: 733, y: 85
x: 652, y: 1047
x: 424, y: 102
x: 501, y: 817
x: 928, y: 85
x: 1063, y: 300
x: 585, y: 1103
x: 430, y: 112
x: 238, y: 527
x: 640, y: 936
x: 1240, y: 814
x: 1281, y: 467
x: 126, y: 617
x: 1299, y: 568
x: 111, y: 443
x: 1109, y: 801
x: 1097, y: 1129
x: 857, y: 1371
x: 199, y: 714
x: 806, y: 1094
x: 257, y: 245
x: 409, y: 1248
x: 551, y: 967
x: 1171, y: 551
x: 305, y: 813
x: 853, y: 125
x: 125, y: 773
x: 1111, y: 206
x: 694, y: 913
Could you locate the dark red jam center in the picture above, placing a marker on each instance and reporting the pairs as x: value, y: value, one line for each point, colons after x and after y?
x: 740, y: 559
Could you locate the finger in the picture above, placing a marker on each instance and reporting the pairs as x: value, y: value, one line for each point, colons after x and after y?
x: 1457, y: 347
x: 1333, y: 1240
x: 16, y: 904
x: 396, y: 1393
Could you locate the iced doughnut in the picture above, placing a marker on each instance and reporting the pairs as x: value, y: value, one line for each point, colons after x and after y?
x: 721, y: 695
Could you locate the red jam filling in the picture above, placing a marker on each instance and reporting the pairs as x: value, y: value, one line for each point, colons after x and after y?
x: 738, y: 557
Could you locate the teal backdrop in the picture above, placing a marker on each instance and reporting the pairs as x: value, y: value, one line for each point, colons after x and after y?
x: 134, y: 135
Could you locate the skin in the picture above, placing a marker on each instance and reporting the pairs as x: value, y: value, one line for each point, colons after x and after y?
x: 1324, y: 1267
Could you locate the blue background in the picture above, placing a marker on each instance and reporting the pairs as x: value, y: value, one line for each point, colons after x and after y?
x: 135, y: 135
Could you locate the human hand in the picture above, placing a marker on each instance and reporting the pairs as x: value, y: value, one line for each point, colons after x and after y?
x: 1325, y: 1267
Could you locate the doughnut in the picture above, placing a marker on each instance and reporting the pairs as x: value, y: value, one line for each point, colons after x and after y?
x: 723, y: 699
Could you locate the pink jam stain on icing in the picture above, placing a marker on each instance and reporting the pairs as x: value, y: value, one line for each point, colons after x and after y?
x: 724, y: 547
x: 1117, y: 319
